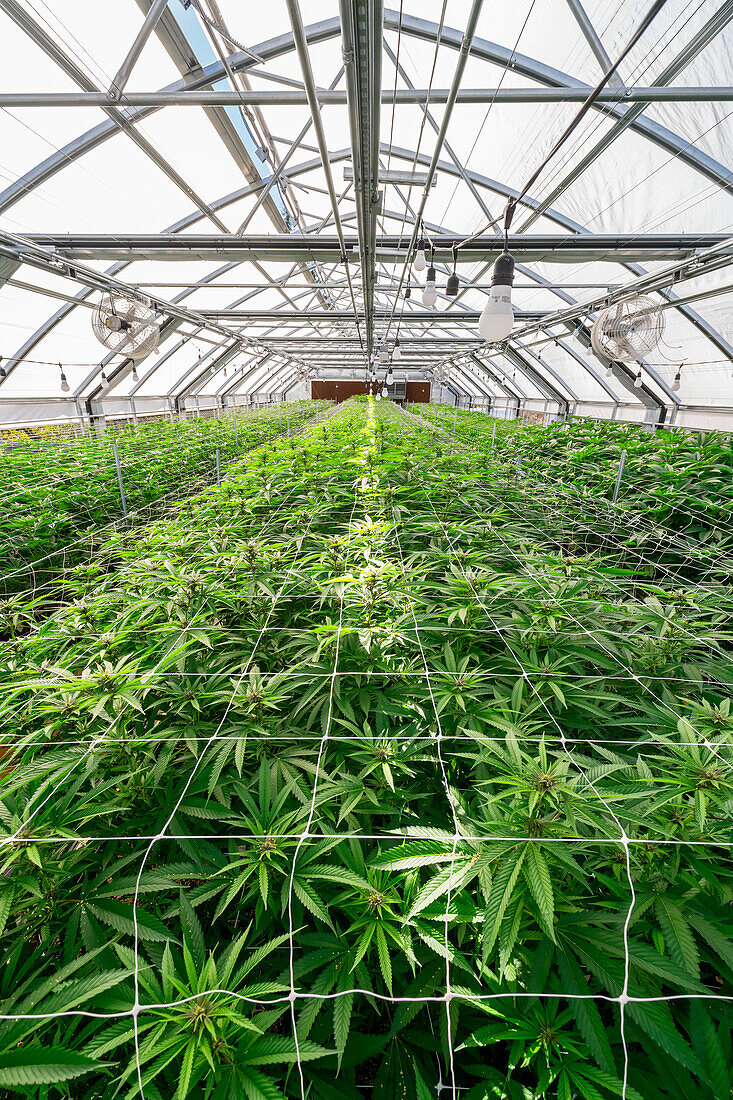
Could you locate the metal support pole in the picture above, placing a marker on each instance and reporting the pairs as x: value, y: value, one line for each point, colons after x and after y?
x: 455, y: 421
x: 288, y: 419
x: 493, y: 435
x: 619, y: 475
x: 218, y: 467
x: 119, y: 482
x: 236, y: 440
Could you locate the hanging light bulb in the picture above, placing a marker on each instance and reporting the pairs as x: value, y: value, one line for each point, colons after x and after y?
x: 397, y: 350
x: 420, y: 263
x: 430, y: 294
x: 609, y: 371
x: 225, y: 372
x: 451, y: 287
x: 384, y: 391
x: 637, y: 380
x: 390, y: 377
x: 64, y: 384
x: 104, y: 376
x: 134, y: 373
x: 379, y: 396
x: 497, y: 318
x: 677, y: 379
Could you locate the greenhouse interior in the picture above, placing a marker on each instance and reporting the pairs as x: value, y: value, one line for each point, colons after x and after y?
x: 366, y: 625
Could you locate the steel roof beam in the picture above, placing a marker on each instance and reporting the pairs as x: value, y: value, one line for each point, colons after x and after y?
x: 711, y: 93
x: 184, y: 57
x: 547, y: 247
x: 331, y: 316
x: 242, y: 375
x: 301, y: 43
x: 361, y: 32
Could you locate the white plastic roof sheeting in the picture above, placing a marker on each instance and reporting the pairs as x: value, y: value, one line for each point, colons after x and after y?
x: 634, y: 186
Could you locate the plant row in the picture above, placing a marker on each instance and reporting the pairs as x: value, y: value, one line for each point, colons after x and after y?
x: 675, y: 484
x: 54, y: 498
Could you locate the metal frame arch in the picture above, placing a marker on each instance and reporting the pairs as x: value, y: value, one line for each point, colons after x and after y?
x: 418, y: 28
x: 311, y: 165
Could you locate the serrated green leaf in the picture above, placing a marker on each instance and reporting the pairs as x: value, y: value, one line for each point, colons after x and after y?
x: 43, y: 1066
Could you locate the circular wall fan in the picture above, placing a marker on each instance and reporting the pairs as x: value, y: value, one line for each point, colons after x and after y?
x: 126, y: 326
x: 628, y: 330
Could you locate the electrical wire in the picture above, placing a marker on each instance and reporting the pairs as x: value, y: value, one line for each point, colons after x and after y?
x: 571, y: 127
x: 480, y: 130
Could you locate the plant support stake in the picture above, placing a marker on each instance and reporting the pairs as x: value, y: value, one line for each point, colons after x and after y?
x: 619, y: 475
x: 493, y: 435
x: 218, y: 468
x: 119, y: 481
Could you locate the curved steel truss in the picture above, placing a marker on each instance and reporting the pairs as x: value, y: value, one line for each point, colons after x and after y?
x: 343, y: 292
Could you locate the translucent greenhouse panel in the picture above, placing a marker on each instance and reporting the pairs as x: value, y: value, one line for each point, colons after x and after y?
x: 115, y: 187
x: 673, y: 28
x: 189, y: 143
x: 83, y: 28
x: 545, y: 31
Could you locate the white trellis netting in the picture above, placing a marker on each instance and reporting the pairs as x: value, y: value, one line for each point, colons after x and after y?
x: 437, y: 741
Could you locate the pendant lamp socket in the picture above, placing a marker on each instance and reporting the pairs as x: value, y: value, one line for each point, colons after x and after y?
x: 451, y: 287
x: 420, y: 263
x: 396, y: 350
x: 64, y: 383
x: 408, y: 293
x: 134, y: 374
x: 677, y: 380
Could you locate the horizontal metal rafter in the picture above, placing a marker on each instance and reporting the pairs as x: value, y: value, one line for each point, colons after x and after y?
x: 266, y: 98
x: 552, y: 248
